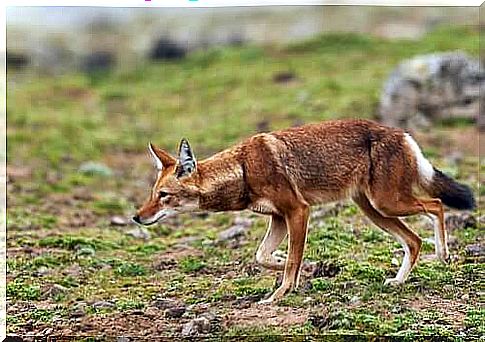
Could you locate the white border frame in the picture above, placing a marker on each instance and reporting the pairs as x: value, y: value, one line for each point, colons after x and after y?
x: 143, y: 3
x: 228, y: 3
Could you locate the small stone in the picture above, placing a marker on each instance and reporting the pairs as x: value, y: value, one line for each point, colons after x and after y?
x: 103, y: 304
x: 54, y: 290
x: 243, y: 221
x: 196, y: 326
x: 232, y: 233
x: 42, y: 271
x: 119, y: 221
x: 175, y: 312
x: 354, y: 300
x: 475, y: 250
x: 465, y: 297
x: 164, y: 303
x: 95, y: 169
x: 139, y: 233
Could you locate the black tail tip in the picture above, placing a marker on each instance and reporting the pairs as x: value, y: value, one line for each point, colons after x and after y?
x: 454, y: 194
x: 466, y: 202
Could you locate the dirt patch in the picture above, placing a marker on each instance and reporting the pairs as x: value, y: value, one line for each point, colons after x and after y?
x: 170, y: 258
x: 136, y: 323
x: 453, y: 310
x: 266, y: 315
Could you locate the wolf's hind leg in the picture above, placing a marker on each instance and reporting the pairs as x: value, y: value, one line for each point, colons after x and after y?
x: 274, y: 236
x: 410, y: 241
x: 434, y: 207
x: 409, y: 205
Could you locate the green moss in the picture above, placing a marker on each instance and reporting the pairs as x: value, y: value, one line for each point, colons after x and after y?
x: 191, y: 264
x: 76, y: 242
x: 127, y: 269
x: 18, y: 289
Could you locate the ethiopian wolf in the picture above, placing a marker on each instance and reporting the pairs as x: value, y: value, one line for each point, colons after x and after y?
x: 283, y: 173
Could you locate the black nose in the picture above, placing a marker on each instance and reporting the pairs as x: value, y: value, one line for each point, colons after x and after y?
x: 136, y: 218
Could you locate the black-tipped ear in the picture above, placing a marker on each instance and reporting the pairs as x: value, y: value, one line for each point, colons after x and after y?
x: 187, y: 162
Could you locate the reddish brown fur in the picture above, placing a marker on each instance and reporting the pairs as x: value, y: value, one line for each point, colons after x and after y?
x: 283, y: 173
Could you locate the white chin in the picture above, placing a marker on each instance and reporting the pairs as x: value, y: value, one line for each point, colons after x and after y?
x: 159, y: 216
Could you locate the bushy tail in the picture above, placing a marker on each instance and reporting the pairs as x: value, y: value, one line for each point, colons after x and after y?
x: 452, y: 193
x: 437, y: 184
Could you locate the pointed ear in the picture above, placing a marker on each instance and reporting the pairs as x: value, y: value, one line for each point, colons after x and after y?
x: 160, y: 158
x: 187, y: 162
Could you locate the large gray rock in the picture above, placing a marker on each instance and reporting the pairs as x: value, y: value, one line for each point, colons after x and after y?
x: 430, y: 88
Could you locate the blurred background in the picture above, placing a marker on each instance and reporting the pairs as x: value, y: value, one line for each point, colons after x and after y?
x: 87, y: 88
x: 57, y: 39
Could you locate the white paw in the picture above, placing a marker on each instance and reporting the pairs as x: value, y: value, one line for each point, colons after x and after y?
x: 393, y: 282
x: 444, y: 257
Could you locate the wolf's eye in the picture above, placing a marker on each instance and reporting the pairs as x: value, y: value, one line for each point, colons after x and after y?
x: 162, y: 194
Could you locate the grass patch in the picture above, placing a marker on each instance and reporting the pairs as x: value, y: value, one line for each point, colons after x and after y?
x: 191, y: 264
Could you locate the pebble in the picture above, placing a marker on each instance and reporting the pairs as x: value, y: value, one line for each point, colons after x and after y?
x: 42, y: 271
x: 232, y: 233
x: 475, y: 250
x: 354, y: 300
x: 54, y: 290
x: 103, y: 304
x: 164, y: 303
x: 243, y: 221
x: 196, y: 326
x: 175, y: 312
x: 119, y: 221
x: 139, y: 233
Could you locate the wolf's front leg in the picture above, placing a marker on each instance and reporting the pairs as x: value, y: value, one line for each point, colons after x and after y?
x: 297, y: 221
x: 274, y: 236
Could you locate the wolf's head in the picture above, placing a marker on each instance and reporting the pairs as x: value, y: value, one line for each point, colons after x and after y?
x: 175, y: 189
